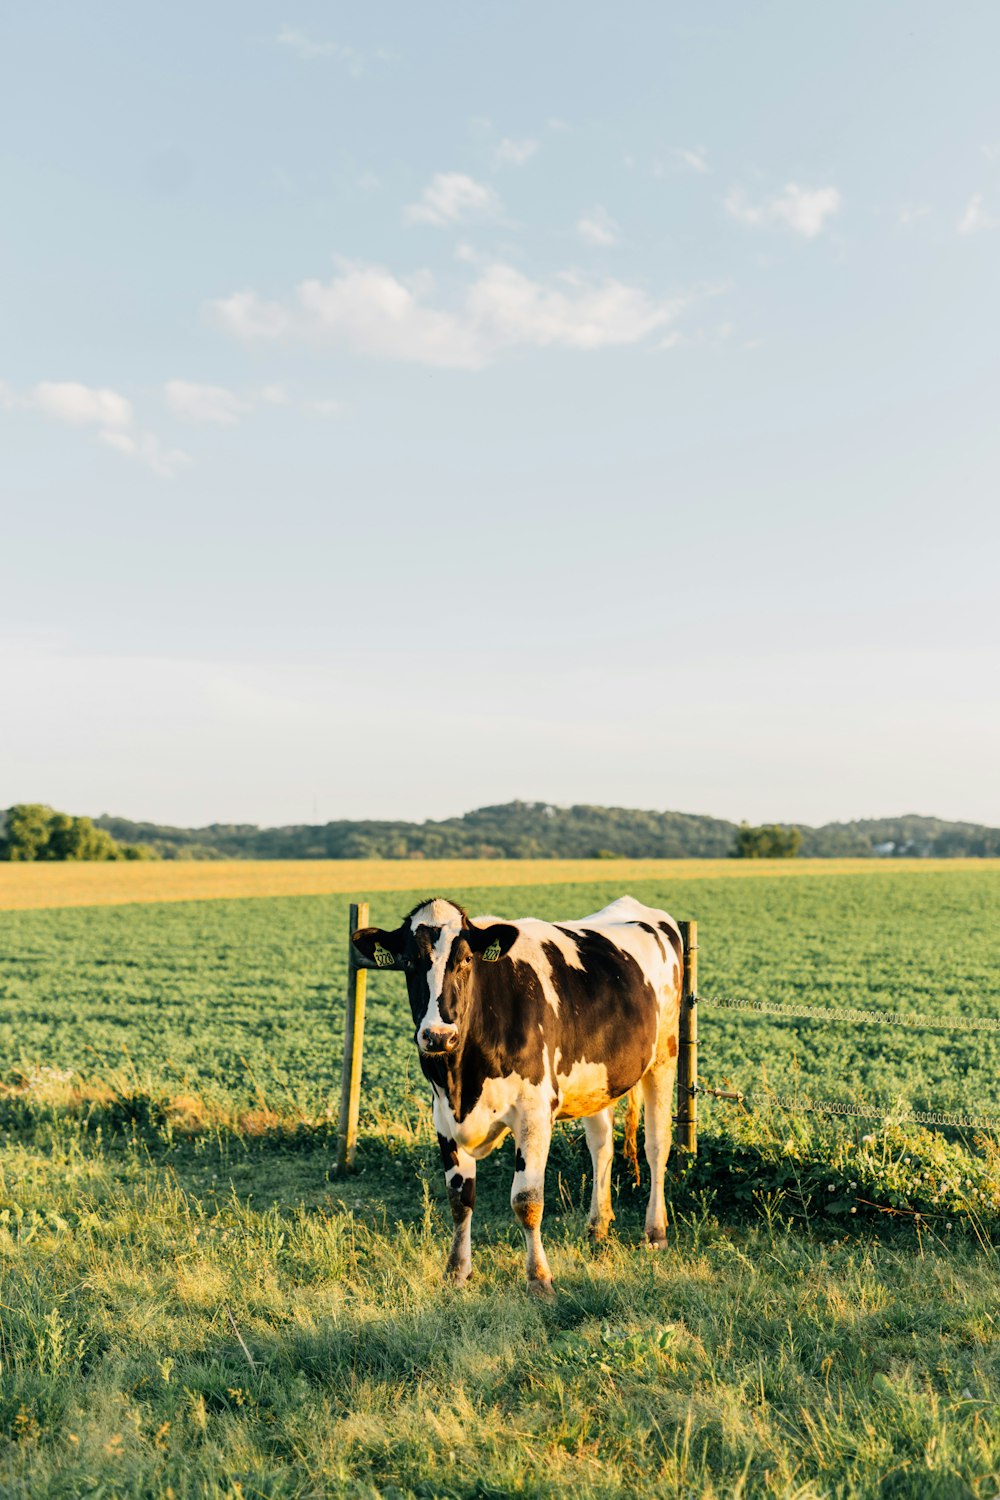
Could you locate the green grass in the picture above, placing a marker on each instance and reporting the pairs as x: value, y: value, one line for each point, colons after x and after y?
x: 781, y: 1345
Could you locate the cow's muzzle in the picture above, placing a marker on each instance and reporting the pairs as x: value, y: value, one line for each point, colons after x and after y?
x: 436, y: 1041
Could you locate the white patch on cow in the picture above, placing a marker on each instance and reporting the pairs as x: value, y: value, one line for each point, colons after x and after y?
x: 443, y: 914
x: 436, y: 913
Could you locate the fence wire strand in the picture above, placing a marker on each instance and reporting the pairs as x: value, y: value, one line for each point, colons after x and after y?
x: 796, y: 1104
x: 850, y: 1015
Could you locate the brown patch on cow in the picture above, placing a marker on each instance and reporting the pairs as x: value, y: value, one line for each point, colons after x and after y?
x: 672, y: 1046
x: 528, y: 1209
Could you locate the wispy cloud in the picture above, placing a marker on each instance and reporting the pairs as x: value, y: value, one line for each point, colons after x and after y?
x: 368, y: 309
x: 327, y: 406
x: 104, y: 411
x: 598, y: 227
x: 695, y: 160
x: 976, y: 217
x: 310, y: 50
x: 803, y: 210
x: 81, y: 405
x: 453, y: 198
x: 511, y: 153
x: 212, y: 404
x: 911, y: 212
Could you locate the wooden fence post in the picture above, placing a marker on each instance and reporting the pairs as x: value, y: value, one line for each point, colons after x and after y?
x: 354, y: 1041
x: 687, y: 1044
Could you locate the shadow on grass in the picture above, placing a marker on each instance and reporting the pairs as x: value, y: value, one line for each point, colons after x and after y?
x: 773, y: 1168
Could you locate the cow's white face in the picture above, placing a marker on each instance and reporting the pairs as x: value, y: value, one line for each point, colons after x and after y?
x: 439, y: 950
x: 437, y: 929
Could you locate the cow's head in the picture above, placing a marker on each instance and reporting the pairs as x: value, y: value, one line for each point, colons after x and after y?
x: 440, y: 951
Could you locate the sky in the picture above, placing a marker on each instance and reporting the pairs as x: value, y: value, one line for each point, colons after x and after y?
x: 410, y: 408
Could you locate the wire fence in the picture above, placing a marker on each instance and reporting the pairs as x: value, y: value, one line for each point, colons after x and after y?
x: 801, y: 1104
x: 849, y: 1014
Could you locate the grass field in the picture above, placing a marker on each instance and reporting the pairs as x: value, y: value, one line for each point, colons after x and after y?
x: 191, y: 1305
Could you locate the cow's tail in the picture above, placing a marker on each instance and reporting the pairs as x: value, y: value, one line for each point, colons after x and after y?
x: 632, y: 1129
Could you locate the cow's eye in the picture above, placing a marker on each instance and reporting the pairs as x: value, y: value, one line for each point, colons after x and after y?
x: 464, y: 963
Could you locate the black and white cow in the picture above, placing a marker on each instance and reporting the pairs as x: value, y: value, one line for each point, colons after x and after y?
x: 522, y: 1023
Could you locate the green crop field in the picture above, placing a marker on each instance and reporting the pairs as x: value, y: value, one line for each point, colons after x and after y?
x: 192, y: 1305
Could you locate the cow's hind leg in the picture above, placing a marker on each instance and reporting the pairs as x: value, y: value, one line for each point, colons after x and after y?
x: 600, y: 1132
x: 460, y: 1175
x: 658, y: 1099
x: 532, y: 1136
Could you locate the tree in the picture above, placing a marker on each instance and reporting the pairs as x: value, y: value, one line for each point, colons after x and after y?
x: 769, y: 841
x: 26, y: 834
x: 33, y: 831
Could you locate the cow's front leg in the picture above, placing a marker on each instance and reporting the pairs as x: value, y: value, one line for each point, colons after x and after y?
x: 460, y: 1175
x: 532, y: 1135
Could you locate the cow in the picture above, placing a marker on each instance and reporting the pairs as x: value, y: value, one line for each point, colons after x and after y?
x: 518, y: 1024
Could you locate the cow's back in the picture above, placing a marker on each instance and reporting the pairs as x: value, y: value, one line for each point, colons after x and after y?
x: 591, y: 1001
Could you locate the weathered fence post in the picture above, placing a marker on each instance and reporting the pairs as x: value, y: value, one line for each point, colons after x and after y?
x: 687, y: 1044
x: 354, y: 1041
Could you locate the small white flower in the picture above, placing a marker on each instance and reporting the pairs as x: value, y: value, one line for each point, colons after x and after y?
x: 853, y: 1210
x: 831, y: 1188
x: 853, y: 1186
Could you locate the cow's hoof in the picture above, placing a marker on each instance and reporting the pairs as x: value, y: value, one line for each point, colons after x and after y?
x: 458, y: 1275
x: 539, y: 1288
x: 656, y: 1240
x: 598, y: 1232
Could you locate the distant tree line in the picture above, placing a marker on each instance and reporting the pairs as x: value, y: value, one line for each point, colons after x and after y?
x: 539, y: 830
x: 31, y: 831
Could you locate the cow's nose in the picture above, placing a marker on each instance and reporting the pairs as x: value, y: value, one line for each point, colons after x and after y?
x: 439, y: 1039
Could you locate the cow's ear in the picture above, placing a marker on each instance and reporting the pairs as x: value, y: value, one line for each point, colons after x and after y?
x: 491, y: 943
x: 383, y: 949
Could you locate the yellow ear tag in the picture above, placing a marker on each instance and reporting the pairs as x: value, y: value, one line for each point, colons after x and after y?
x: 492, y: 953
x: 383, y: 958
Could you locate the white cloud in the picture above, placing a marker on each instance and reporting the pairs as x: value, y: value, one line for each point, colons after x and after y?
x: 205, y: 403
x: 370, y: 310
x: 78, y: 405
x: 803, y: 210
x: 992, y: 151
x: 327, y: 407
x: 976, y: 217
x: 511, y: 153
x: 81, y: 405
x: 453, y: 198
x: 598, y: 227
x: 310, y: 50
x: 247, y: 315
x: 911, y: 212
x: 148, y: 449
x: 694, y: 161
x: 274, y: 395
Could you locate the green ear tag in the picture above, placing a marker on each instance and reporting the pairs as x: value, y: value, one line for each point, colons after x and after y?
x: 383, y: 958
x: 492, y: 953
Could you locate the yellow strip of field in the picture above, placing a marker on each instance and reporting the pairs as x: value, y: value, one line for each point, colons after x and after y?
x: 27, y: 886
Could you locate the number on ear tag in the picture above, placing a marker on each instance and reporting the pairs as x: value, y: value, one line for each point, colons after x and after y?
x: 383, y: 958
x: 492, y: 953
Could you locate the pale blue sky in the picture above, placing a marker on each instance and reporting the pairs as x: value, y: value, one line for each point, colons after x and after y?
x: 404, y: 408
